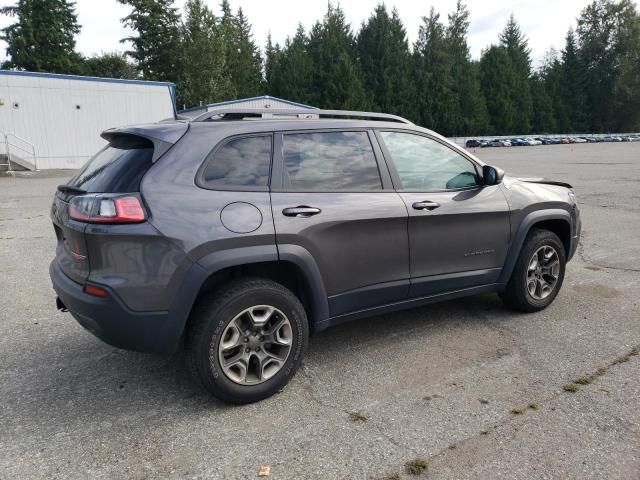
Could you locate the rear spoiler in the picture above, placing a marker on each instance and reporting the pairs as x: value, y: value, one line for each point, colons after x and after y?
x: 162, y: 135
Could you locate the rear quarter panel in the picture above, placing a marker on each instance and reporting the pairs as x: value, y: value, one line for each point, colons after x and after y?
x: 189, y: 216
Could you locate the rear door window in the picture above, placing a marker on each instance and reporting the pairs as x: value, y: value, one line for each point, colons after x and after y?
x: 330, y: 161
x: 117, y: 168
x: 242, y: 162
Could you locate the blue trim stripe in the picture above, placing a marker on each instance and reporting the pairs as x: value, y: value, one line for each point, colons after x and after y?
x: 242, y: 100
x: 81, y: 78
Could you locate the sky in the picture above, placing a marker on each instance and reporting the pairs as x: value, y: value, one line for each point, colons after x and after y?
x: 545, y: 22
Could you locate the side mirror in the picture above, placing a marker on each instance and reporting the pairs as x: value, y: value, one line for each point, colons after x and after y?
x: 492, y: 175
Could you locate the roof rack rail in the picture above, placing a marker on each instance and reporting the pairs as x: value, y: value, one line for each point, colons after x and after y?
x: 282, y: 114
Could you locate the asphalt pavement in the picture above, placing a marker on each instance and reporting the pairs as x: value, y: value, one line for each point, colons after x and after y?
x: 470, y: 387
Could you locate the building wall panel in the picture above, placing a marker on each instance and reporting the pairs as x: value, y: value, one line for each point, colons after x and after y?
x: 65, y: 136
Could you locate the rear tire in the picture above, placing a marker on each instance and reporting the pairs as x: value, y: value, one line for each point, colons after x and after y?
x: 246, y: 340
x: 538, y: 274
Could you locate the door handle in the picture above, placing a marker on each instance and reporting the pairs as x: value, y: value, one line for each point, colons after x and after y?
x: 426, y: 205
x: 300, y: 211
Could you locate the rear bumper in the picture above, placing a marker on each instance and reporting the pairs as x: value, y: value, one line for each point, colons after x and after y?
x: 112, y: 322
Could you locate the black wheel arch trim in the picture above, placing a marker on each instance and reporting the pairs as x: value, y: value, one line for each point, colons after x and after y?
x: 200, y: 271
x: 529, y: 221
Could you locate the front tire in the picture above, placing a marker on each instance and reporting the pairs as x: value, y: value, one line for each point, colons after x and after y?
x: 246, y: 341
x: 538, y: 274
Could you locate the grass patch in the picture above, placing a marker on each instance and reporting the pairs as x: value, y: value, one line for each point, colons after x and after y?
x: 517, y: 411
x: 570, y: 387
x: 417, y: 466
x: 391, y: 476
x: 601, y: 371
x: 357, y: 416
x: 584, y: 380
x: 534, y: 406
x: 621, y: 359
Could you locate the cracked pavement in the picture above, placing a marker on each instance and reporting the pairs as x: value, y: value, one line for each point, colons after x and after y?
x: 437, y: 382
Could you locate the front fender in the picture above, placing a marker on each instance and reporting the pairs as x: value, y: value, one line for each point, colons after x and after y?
x: 521, y: 234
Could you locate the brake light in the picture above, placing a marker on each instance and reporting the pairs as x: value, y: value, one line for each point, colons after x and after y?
x: 107, y: 209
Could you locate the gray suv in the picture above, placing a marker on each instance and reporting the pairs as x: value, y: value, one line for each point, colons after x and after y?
x: 241, y: 232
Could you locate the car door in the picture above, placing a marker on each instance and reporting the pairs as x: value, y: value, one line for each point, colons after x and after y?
x: 458, y: 227
x: 330, y: 197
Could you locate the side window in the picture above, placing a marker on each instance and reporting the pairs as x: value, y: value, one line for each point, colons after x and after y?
x: 424, y: 164
x: 242, y: 162
x: 329, y: 161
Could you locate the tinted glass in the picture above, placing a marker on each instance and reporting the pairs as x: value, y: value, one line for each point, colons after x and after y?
x: 330, y: 161
x: 424, y: 164
x: 243, y: 162
x: 117, y: 168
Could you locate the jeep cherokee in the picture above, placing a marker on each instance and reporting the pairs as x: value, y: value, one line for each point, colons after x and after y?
x: 242, y: 231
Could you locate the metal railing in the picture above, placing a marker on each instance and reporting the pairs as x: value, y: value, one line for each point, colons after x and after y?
x: 14, y: 142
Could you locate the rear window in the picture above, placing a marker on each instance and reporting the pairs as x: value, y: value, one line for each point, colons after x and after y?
x: 117, y: 168
x: 240, y: 163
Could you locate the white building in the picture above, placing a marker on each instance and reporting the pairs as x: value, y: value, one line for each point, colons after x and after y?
x: 58, y: 118
x: 264, y: 101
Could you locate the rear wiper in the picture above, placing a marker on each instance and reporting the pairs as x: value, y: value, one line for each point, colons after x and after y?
x: 70, y: 189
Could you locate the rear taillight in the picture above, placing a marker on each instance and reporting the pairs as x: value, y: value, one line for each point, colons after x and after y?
x: 107, y: 208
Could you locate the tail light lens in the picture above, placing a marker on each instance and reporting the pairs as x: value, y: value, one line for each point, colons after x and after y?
x: 107, y: 208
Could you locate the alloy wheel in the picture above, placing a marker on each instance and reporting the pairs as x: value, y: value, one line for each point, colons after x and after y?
x: 543, y: 272
x: 255, y: 345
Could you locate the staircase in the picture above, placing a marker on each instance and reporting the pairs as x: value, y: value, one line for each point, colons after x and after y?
x: 16, y: 153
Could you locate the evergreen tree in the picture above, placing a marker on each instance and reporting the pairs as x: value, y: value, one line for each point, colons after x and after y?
x: 272, y: 57
x: 543, y: 120
x: 203, y: 77
x: 626, y: 89
x: 572, y: 86
x: 291, y: 71
x: 552, y: 74
x: 385, y: 61
x: 469, y: 115
x: 608, y: 39
x: 336, y: 81
x: 110, y: 65
x: 43, y: 37
x: 156, y: 43
x: 244, y: 64
x: 498, y: 80
x: 434, y: 82
x: 515, y: 44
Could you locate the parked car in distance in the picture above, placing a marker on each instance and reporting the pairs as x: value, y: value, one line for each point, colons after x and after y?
x: 473, y: 143
x: 225, y: 236
x: 532, y: 141
x: 518, y: 142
